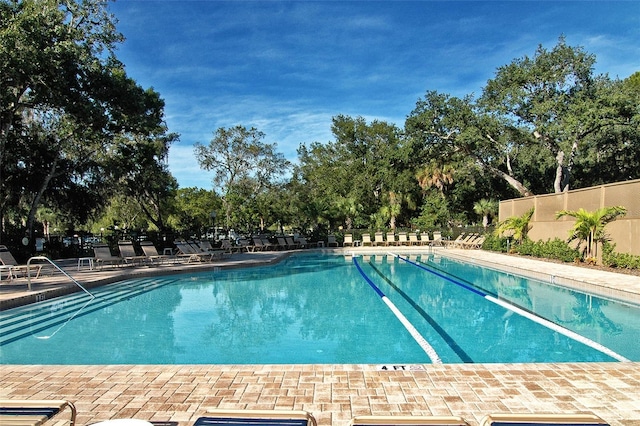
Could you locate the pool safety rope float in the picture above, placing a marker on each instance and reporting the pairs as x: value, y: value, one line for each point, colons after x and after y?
x: 527, y: 314
x: 421, y: 341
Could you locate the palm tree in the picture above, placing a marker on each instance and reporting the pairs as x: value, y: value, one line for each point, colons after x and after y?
x: 589, y: 226
x: 517, y: 226
x: 485, y: 208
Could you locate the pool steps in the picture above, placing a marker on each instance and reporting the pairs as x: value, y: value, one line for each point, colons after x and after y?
x: 33, y: 319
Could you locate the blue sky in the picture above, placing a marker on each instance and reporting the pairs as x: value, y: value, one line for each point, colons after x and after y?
x: 288, y: 67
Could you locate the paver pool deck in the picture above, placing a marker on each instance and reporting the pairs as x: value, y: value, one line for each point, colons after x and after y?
x: 334, y: 393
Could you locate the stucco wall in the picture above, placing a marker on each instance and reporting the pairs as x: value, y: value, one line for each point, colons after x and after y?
x: 624, y: 232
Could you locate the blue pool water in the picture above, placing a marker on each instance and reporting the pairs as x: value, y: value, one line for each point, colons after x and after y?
x: 314, y: 308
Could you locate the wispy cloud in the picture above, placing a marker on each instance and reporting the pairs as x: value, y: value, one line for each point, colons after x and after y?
x: 288, y: 67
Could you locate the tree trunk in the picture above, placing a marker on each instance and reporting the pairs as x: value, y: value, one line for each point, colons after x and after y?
x: 513, y: 182
x: 557, y: 183
x: 36, y: 199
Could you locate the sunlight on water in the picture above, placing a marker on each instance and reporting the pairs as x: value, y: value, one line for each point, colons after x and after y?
x: 314, y: 308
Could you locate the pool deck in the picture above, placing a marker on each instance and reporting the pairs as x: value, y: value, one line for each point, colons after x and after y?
x: 333, y: 393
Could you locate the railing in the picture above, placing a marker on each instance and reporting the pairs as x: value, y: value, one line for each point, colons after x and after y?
x: 58, y: 268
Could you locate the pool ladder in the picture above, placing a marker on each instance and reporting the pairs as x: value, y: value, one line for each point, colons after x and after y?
x: 58, y: 268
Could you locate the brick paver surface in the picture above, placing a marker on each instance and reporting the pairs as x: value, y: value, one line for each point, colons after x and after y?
x: 333, y: 393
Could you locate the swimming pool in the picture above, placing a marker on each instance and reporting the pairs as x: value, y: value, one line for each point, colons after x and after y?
x: 314, y: 308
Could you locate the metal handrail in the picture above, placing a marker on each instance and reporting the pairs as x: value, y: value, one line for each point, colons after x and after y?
x: 58, y: 268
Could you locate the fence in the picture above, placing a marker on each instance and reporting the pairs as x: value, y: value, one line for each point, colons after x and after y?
x: 624, y: 232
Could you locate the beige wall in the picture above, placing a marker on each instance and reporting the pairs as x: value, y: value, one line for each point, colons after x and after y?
x: 624, y: 232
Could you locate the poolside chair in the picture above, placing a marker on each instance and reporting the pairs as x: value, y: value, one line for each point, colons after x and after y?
x: 221, y: 417
x: 391, y: 239
x: 268, y: 245
x: 102, y: 254
x: 348, y: 240
x: 424, y: 239
x: 474, y: 243
x: 243, y: 245
x: 225, y: 246
x: 11, y: 265
x: 408, y: 420
x: 291, y: 243
x: 257, y: 245
x: 379, y: 239
x: 452, y: 243
x: 33, y: 412
x: 282, y: 244
x: 331, y: 241
x: 542, y: 419
x: 437, y: 239
x: 128, y: 253
x: 413, y: 239
x: 402, y: 239
x: 366, y: 240
x: 189, y: 252
x: 152, y: 254
x: 216, y: 253
x: 306, y: 244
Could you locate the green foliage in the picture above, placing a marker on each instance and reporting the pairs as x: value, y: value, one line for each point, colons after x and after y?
x: 486, y: 208
x: 494, y: 242
x: 193, y: 210
x: 589, y: 226
x: 64, y: 99
x: 435, y: 213
x: 551, y: 249
x: 516, y: 226
x: 618, y: 260
x: 240, y: 162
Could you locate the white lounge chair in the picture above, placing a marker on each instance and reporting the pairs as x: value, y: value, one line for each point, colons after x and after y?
x: 391, y: 239
x: 348, y: 240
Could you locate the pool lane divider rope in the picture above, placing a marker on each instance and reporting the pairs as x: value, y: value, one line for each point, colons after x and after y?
x: 464, y: 357
x: 525, y: 313
x: 421, y: 341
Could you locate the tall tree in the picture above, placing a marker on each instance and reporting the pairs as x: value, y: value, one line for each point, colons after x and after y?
x: 485, y: 208
x: 453, y: 135
x: 554, y: 96
x: 237, y: 154
x: 63, y: 98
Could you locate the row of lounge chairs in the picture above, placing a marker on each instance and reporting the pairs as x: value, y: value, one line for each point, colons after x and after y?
x: 35, y: 413
x: 189, y: 251
x: 467, y: 241
x: 413, y: 239
x: 404, y: 239
x: 283, y: 243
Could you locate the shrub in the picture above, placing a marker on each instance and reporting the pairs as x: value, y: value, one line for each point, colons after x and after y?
x: 556, y: 249
x: 618, y: 260
x: 494, y: 243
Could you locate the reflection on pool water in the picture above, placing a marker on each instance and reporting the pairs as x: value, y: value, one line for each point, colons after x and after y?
x: 314, y: 308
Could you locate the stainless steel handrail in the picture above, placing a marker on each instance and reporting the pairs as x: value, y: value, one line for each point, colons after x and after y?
x: 58, y: 268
